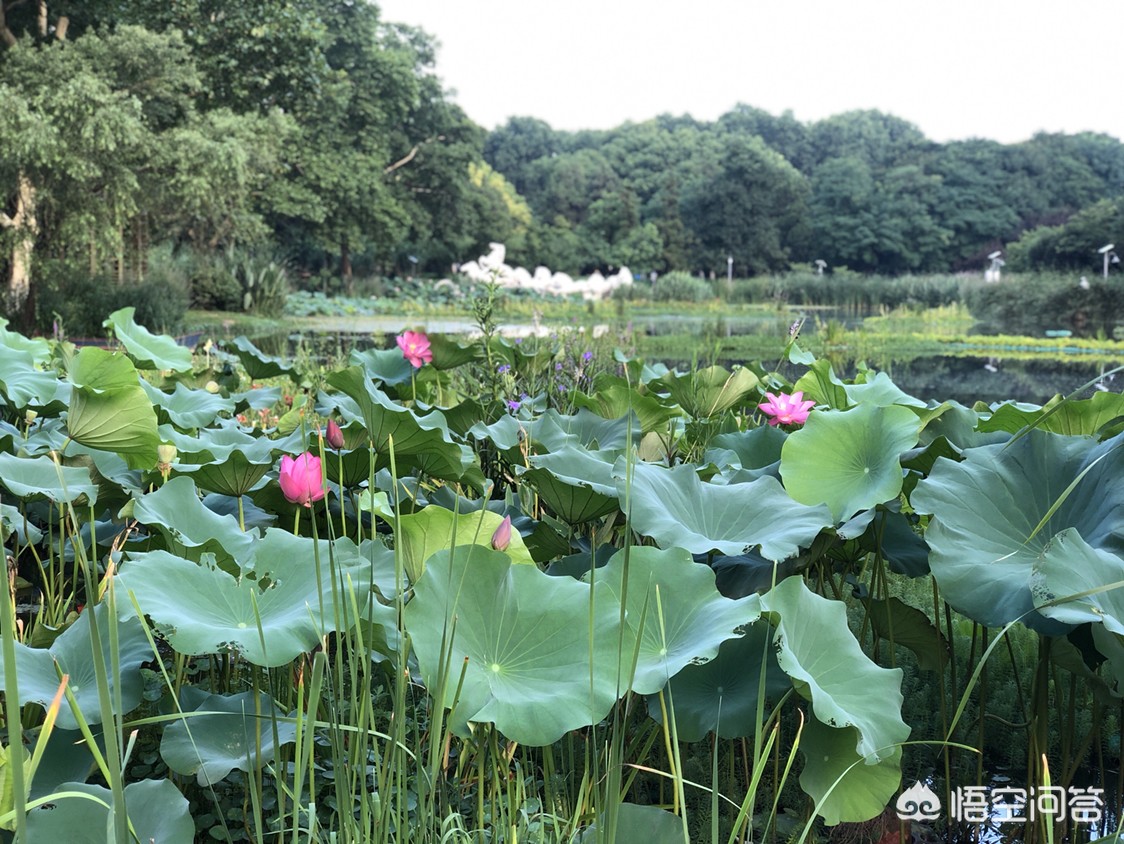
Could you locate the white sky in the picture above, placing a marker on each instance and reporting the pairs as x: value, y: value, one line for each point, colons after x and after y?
x: 1000, y: 69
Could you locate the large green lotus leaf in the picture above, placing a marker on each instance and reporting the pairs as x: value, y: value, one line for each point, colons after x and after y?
x: 32, y: 477
x: 685, y: 619
x: 821, y: 385
x: 817, y: 650
x: 158, y: 812
x: 215, y: 445
x: 257, y: 364
x: 636, y: 824
x: 880, y: 391
x: 507, y: 434
x: 176, y: 512
x: 109, y: 410
x: 552, y: 431
x: 1075, y: 418
x: 985, y: 537
x: 866, y: 785
x: 386, y: 365
x: 236, y: 475
x: 12, y: 521
x: 1111, y: 647
x: 101, y: 371
x: 37, y: 349
x: 577, y: 484
x: 899, y: 623
x: 615, y: 398
x: 523, y: 639
x: 848, y: 461
x: 225, y: 735
x: 434, y: 529
x: 200, y: 608
x: 73, y: 654
x: 449, y: 353
x: 709, y: 392
x: 186, y: 408
x: 148, y: 350
x: 891, y: 534
x: 675, y: 508
x: 425, y: 438
x: 721, y: 695
x: 1069, y: 566
x: 23, y: 386
x: 757, y: 451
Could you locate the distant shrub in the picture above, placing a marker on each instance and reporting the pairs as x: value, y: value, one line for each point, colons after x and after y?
x: 81, y: 303
x: 1032, y: 304
x: 681, y: 287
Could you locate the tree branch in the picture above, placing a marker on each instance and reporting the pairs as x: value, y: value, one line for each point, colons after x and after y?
x: 402, y: 162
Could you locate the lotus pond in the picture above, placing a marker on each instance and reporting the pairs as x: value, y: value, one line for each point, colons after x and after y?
x: 493, y: 591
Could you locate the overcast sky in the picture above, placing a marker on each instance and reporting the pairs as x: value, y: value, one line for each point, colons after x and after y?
x: 1001, y: 69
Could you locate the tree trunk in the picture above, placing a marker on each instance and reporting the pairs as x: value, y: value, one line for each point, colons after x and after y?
x: 19, y: 260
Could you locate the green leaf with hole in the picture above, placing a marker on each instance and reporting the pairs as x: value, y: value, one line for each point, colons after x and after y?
x: 849, y: 461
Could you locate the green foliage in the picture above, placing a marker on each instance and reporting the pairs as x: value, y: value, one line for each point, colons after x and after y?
x: 679, y: 286
x: 81, y: 303
x: 1033, y: 304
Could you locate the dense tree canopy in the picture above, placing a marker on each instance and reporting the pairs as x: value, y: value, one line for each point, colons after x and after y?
x: 319, y: 127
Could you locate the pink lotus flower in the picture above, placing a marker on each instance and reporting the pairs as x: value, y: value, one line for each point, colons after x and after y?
x: 415, y: 348
x: 301, y: 479
x: 334, y: 435
x: 785, y: 409
x: 502, y: 537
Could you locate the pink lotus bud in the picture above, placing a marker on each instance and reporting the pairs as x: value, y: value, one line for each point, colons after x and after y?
x: 334, y: 436
x: 301, y: 479
x: 502, y: 537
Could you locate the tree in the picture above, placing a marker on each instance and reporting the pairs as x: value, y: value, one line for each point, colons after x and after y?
x: 753, y: 209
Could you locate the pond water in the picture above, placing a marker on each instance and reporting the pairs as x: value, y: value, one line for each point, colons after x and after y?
x: 966, y: 379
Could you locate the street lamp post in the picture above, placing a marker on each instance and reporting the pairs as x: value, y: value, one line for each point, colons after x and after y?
x: 729, y: 268
x: 1110, y: 257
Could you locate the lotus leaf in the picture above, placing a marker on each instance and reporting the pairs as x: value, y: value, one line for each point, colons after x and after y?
x: 756, y: 452
x: 257, y: 364
x: 577, y: 484
x: 846, y: 787
x: 1067, y: 570
x: 109, y: 409
x: 187, y: 526
x: 157, y: 812
x: 72, y: 653
x: 637, y: 824
x: 434, y: 529
x: 187, y: 408
x: 848, y: 461
x: 821, y: 385
x: 721, y: 695
x: 529, y: 664
x: 200, y: 608
x: 685, y: 619
x: 1075, y: 418
x: 675, y: 508
x: 615, y: 398
x: 880, y: 391
x: 38, y: 350
x: 222, y: 733
x: 900, y: 624
x: 817, y: 650
x: 23, y: 386
x: 148, y: 350
x: 386, y: 365
x: 449, y: 353
x: 28, y: 477
x: 424, y: 439
x: 710, y: 392
x: 994, y: 512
